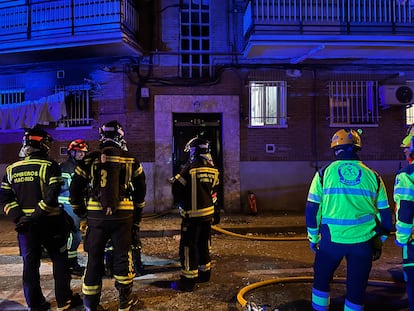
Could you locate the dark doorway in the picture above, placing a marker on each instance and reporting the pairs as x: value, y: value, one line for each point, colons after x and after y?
x: 189, y: 125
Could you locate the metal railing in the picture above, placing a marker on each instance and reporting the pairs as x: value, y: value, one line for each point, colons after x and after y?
x: 329, y: 12
x: 77, y: 101
x: 66, y: 17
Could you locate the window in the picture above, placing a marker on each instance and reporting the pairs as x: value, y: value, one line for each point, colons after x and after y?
x: 353, y: 102
x: 77, y: 102
x: 12, y: 96
x: 195, y: 56
x: 409, y: 115
x: 268, y: 103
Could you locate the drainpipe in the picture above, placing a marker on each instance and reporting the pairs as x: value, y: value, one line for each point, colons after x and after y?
x: 314, y: 122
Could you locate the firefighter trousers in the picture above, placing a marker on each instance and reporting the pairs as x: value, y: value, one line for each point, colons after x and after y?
x: 408, y: 267
x: 195, y: 248
x: 98, y: 233
x: 50, y: 232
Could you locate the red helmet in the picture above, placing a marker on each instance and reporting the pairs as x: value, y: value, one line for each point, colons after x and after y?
x: 78, y: 144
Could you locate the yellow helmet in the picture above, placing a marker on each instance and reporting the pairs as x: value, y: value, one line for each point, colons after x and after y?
x: 346, y: 137
x: 406, y: 142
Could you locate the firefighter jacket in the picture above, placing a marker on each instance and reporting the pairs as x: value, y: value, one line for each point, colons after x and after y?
x: 195, y: 189
x: 31, y: 187
x: 68, y: 169
x: 404, y: 199
x: 108, y: 178
x: 351, y: 199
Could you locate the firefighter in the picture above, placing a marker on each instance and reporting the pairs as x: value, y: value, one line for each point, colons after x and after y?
x: 114, y: 176
x: 195, y: 193
x: 76, y: 151
x: 347, y: 215
x: 404, y: 199
x: 29, y: 193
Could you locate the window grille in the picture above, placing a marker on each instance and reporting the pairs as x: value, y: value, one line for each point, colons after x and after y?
x: 195, y: 59
x: 353, y: 102
x: 12, y: 96
x: 268, y: 103
x: 77, y: 101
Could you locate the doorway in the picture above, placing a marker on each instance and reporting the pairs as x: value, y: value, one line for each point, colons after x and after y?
x: 205, y: 125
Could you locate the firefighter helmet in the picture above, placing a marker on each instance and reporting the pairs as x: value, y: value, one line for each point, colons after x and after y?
x: 112, y: 131
x: 37, y: 138
x: 346, y: 137
x: 78, y: 145
x: 199, y: 147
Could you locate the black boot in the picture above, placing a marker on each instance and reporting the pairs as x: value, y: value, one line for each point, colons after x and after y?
x: 184, y: 284
x: 204, y: 276
x: 126, y: 298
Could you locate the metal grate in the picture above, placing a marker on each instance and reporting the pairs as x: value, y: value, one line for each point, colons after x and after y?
x: 12, y: 96
x: 77, y: 101
x: 195, y: 59
x: 353, y: 102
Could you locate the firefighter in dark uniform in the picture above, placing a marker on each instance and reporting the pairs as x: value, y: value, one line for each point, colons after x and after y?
x: 29, y: 193
x: 76, y: 151
x: 117, y: 195
x: 195, y: 193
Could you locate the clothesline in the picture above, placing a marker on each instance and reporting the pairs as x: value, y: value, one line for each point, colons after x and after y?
x: 29, y: 113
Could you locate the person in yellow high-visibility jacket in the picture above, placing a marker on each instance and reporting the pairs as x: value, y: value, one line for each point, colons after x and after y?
x: 404, y: 200
x: 347, y: 216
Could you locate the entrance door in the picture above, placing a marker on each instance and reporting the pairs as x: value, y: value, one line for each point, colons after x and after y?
x: 189, y: 125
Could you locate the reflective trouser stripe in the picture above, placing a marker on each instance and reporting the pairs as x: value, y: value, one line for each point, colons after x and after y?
x: 349, y: 306
x: 320, y: 300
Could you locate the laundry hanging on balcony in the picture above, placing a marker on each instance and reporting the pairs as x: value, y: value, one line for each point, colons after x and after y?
x: 31, y: 112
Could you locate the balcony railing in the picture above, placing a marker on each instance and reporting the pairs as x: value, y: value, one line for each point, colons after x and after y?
x: 59, y: 18
x: 329, y: 16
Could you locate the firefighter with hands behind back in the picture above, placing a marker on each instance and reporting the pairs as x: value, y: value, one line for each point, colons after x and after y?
x: 29, y: 194
x: 76, y: 151
x: 347, y: 216
x: 114, y: 176
x: 195, y: 194
x: 404, y: 199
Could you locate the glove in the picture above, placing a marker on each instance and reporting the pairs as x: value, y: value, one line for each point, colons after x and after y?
x: 83, y: 226
x: 24, y: 224
x: 377, y: 243
x: 69, y: 222
x: 216, y: 219
x: 137, y: 216
x: 136, y: 239
x: 314, y: 247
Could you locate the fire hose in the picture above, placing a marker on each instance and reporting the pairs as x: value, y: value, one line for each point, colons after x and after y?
x: 240, y: 296
x: 243, y: 302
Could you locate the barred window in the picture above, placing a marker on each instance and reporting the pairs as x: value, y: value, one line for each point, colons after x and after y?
x: 195, y: 59
x: 12, y: 96
x: 268, y: 103
x: 77, y: 101
x: 353, y: 102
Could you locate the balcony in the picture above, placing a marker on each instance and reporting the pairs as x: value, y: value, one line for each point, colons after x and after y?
x: 81, y: 27
x: 296, y: 31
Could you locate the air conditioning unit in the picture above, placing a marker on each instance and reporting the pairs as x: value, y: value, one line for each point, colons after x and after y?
x: 396, y: 95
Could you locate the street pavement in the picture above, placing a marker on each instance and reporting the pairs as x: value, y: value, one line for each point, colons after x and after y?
x: 292, y: 258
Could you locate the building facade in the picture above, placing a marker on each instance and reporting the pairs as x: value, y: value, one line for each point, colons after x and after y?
x: 267, y: 82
